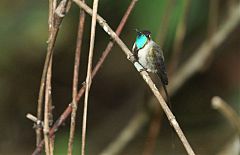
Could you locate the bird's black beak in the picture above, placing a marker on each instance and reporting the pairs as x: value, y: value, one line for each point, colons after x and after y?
x: 138, y: 32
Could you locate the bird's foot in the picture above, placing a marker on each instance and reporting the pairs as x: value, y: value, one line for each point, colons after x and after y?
x: 139, y: 67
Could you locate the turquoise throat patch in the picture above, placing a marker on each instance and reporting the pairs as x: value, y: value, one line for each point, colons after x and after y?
x: 141, y: 41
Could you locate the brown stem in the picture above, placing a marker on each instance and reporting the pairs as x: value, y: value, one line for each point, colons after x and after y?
x: 105, y: 53
x: 89, y: 75
x: 57, y: 19
x: 47, y: 110
x: 75, y: 79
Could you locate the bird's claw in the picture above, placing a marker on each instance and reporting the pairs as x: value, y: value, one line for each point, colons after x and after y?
x: 139, y: 67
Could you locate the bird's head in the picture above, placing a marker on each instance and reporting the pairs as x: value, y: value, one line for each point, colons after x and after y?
x: 142, y: 38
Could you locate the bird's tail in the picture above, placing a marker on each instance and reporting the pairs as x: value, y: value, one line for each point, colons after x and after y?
x: 164, y: 81
x: 167, y: 96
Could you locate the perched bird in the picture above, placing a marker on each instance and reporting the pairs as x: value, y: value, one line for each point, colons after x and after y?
x: 150, y: 56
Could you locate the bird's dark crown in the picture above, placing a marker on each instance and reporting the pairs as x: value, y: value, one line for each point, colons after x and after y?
x: 144, y: 32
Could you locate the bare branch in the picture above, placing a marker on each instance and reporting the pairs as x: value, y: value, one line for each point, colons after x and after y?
x: 54, y: 27
x: 145, y: 76
x: 89, y: 74
x: 35, y: 120
x: 228, y: 112
x: 47, y: 110
x: 75, y: 78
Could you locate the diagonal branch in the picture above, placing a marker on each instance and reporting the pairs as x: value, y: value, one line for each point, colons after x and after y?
x: 105, y: 53
x: 144, y: 75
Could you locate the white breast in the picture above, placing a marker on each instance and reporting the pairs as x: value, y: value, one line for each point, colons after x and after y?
x: 142, y: 54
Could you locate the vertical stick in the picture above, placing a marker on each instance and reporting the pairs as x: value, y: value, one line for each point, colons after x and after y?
x: 89, y: 75
x: 46, y: 109
x: 52, y: 6
x: 75, y: 79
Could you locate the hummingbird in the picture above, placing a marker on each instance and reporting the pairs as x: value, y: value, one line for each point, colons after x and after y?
x: 150, y: 56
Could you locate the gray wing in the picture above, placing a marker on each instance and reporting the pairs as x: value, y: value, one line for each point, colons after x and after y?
x: 159, y: 62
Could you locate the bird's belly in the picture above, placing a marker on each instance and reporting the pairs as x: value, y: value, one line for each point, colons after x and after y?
x: 144, y: 60
x: 142, y: 55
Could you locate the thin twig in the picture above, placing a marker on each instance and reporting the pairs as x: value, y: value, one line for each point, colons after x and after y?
x: 33, y: 118
x: 227, y: 111
x: 57, y: 18
x: 52, y: 7
x: 75, y: 78
x: 50, y: 105
x: 89, y: 74
x: 179, y: 38
x: 48, y: 85
x: 105, y: 53
x: 46, y: 110
x: 144, y: 75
